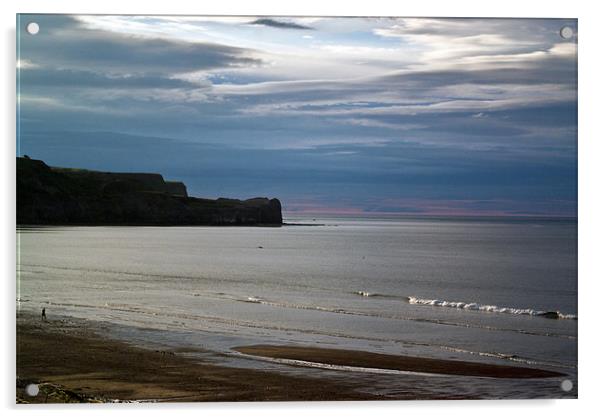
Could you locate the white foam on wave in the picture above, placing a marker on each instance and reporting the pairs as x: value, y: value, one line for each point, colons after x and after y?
x: 556, y: 315
x: 365, y: 293
x: 473, y: 306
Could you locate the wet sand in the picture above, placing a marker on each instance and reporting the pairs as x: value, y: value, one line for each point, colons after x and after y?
x: 366, y: 359
x: 73, y: 364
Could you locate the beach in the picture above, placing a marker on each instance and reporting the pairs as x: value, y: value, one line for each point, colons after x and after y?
x: 348, y: 309
x: 73, y: 364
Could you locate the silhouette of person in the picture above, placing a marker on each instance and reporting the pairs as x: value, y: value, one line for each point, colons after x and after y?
x: 44, y: 314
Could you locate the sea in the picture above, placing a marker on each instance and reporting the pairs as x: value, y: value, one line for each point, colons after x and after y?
x: 492, y: 290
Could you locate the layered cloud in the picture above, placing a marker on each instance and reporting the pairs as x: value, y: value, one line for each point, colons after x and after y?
x: 279, y: 24
x: 394, y: 107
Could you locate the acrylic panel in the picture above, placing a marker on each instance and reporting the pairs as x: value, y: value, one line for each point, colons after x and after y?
x: 269, y: 208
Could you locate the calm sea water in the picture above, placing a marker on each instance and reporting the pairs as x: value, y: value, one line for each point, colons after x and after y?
x: 457, y: 289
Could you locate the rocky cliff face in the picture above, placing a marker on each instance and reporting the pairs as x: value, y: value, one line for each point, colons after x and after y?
x: 176, y: 188
x: 47, y: 195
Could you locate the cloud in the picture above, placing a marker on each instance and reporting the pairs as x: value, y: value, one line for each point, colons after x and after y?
x: 68, y: 43
x: 449, y: 98
x: 369, y: 111
x: 25, y: 64
x: 443, y: 43
x: 279, y: 24
x: 80, y: 79
x: 523, y: 30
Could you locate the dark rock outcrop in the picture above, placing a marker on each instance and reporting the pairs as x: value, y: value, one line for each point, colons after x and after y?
x: 61, y: 196
x: 176, y: 188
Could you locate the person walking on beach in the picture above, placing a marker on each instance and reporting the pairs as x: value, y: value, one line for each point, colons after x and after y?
x: 43, y: 314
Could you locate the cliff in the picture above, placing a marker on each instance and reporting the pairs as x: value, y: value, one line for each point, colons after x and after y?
x: 62, y: 196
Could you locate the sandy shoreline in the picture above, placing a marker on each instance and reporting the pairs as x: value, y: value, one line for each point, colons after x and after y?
x: 364, y: 359
x: 73, y: 364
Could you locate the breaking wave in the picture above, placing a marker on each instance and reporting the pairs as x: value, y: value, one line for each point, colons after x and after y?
x: 472, y: 306
x: 366, y: 293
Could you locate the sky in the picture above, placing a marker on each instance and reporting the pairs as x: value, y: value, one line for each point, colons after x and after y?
x: 358, y: 116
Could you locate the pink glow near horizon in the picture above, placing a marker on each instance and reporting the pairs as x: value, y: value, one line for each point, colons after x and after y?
x: 426, y: 207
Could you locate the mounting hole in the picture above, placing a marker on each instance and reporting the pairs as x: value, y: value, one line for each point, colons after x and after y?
x: 566, y: 385
x: 33, y: 28
x: 32, y: 389
x: 566, y: 32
